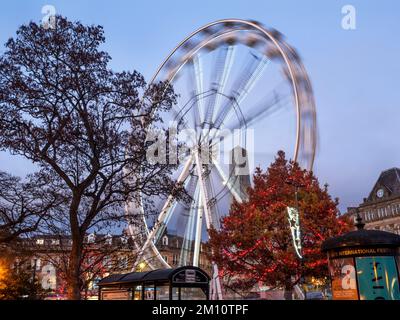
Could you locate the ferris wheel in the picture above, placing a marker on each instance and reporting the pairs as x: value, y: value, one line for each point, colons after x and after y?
x: 243, y: 94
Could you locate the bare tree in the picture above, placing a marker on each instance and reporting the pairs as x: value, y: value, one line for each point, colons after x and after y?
x: 83, y: 125
x: 24, y: 205
x: 101, y: 255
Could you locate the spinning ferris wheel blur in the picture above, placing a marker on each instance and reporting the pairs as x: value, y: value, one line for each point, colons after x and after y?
x: 244, y: 94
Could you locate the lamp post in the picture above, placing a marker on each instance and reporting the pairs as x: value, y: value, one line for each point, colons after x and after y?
x: 33, y: 295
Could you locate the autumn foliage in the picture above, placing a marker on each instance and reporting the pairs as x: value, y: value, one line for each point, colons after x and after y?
x: 255, y: 244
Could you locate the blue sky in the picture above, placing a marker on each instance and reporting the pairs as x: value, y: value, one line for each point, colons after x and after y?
x: 354, y: 73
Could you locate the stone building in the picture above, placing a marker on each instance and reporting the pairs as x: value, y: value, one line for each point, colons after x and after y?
x: 381, y: 209
x: 46, y: 258
x: 173, y: 251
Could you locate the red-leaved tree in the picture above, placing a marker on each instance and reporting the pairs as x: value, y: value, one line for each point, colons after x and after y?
x: 255, y: 243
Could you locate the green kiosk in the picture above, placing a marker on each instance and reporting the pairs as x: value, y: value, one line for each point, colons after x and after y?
x: 183, y: 283
x: 364, y: 264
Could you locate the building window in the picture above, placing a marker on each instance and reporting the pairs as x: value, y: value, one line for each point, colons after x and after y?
x: 107, y: 262
x: 40, y: 241
x: 36, y: 263
x: 55, y: 242
x: 91, y: 238
x: 165, y: 241
x: 124, y: 262
x: 124, y: 240
x: 165, y: 258
x: 108, y: 239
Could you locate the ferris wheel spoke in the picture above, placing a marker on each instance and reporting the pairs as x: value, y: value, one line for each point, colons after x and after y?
x: 162, y: 216
x: 203, y: 189
x: 246, y: 81
x: 184, y: 257
x: 249, y: 76
x: 203, y: 206
x: 188, y: 186
x: 226, y: 181
x: 191, y: 192
x: 212, y: 202
x: 204, y: 202
x: 182, y: 121
x: 264, y: 109
x: 196, y: 72
x: 198, y: 230
x: 220, y: 75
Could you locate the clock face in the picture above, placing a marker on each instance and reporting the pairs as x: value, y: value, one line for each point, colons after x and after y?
x: 379, y: 193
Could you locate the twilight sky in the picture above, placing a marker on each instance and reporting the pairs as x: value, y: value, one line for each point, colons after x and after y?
x: 354, y: 72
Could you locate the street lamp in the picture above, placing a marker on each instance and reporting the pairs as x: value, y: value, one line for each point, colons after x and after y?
x: 142, y: 265
x: 33, y: 295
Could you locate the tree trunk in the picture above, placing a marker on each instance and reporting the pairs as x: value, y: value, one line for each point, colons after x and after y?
x: 74, y: 266
x: 288, y: 293
x: 75, y: 256
x: 73, y: 286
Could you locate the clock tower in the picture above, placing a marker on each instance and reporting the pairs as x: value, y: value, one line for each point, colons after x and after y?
x: 381, y: 209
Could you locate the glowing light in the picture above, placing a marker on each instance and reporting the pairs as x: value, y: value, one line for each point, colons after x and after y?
x: 142, y: 265
x: 294, y: 222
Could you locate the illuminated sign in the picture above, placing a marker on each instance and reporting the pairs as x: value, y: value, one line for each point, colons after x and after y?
x: 116, y: 295
x: 343, y: 275
x: 294, y: 222
x: 364, y: 278
x: 361, y: 252
x: 377, y: 278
